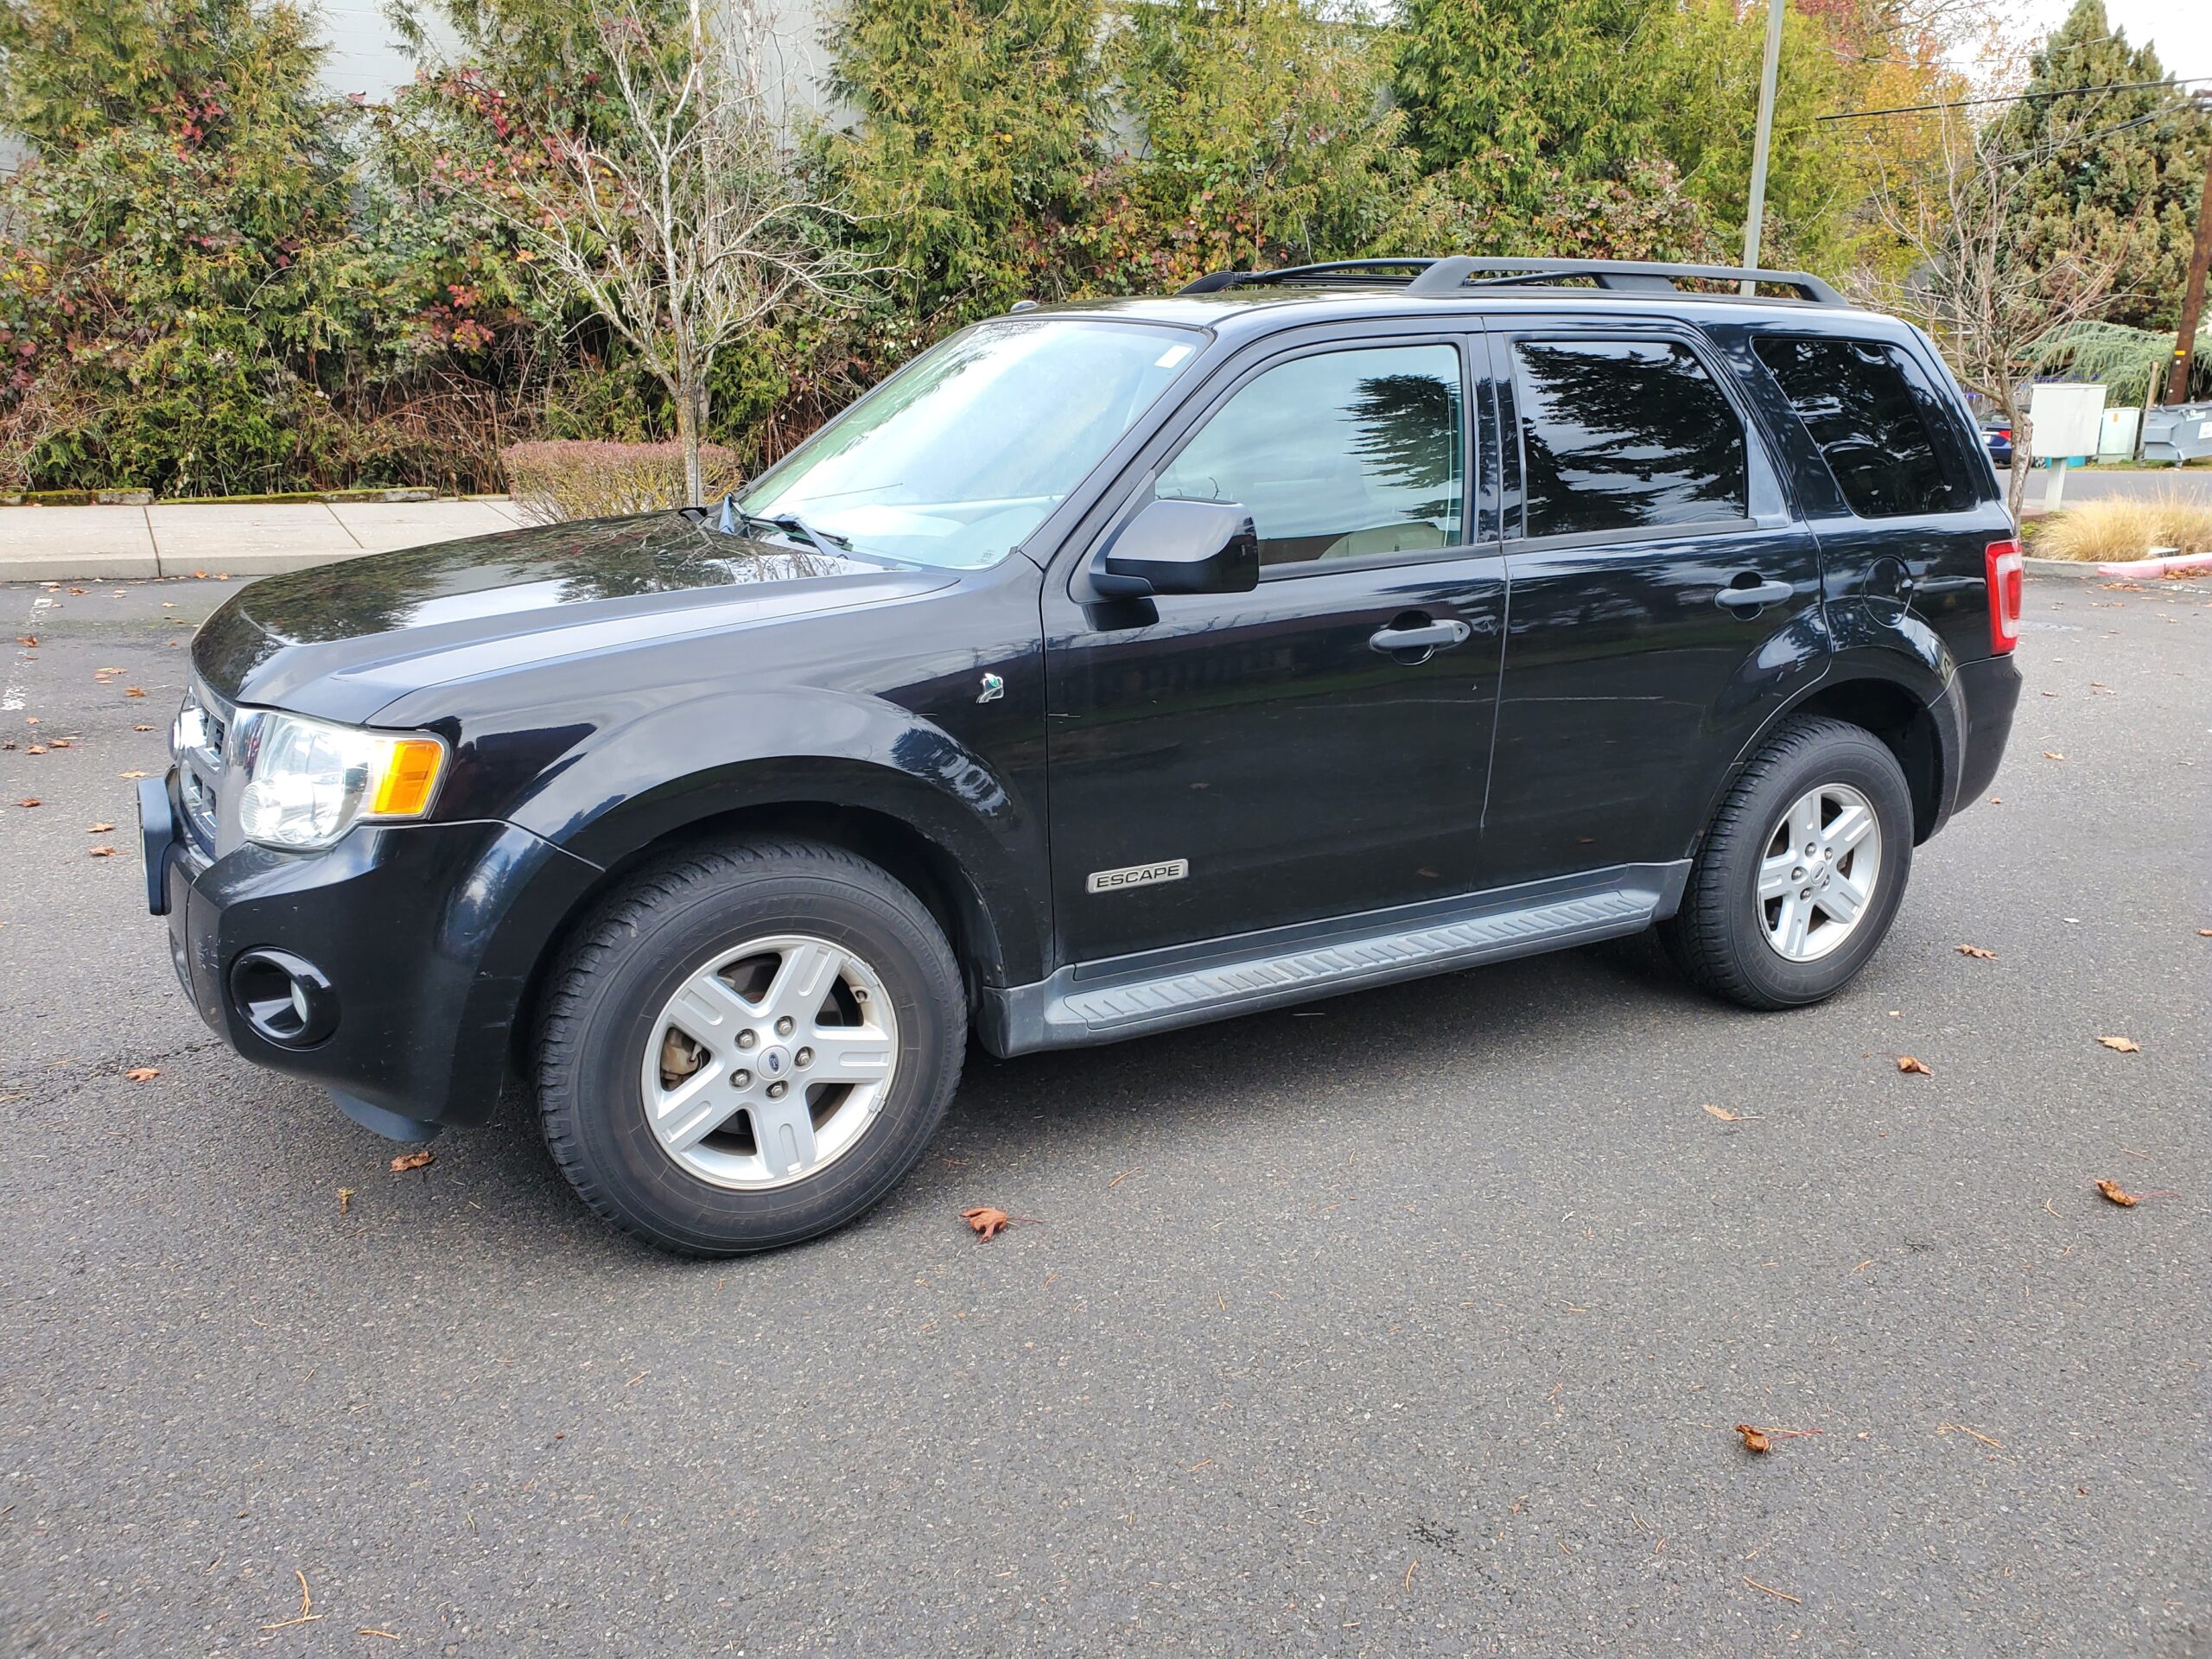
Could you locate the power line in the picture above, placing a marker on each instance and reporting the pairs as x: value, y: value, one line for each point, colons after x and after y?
x: 2017, y: 98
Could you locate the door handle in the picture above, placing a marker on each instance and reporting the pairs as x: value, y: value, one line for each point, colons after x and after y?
x: 1429, y: 636
x: 1765, y: 593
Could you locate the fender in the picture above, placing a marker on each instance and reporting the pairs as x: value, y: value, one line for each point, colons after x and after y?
x: 1865, y: 637
x: 679, y: 765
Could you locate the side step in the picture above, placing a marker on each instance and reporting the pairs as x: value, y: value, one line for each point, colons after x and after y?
x: 1099, y: 1003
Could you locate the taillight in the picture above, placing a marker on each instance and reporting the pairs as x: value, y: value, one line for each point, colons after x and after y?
x: 2001, y: 566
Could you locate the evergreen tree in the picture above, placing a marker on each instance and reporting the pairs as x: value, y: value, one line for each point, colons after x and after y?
x: 1528, y: 92
x: 974, y: 122
x: 2111, y: 176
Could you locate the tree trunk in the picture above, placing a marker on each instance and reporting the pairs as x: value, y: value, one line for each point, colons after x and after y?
x: 2016, y: 480
x: 688, y: 398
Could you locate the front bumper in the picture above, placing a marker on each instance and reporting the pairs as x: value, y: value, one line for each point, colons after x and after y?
x: 427, y: 934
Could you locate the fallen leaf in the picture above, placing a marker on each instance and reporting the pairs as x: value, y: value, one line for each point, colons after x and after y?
x: 26, y: 639
x: 35, y: 748
x: 28, y: 800
x: 2052, y: 754
x: 103, y: 852
x: 1907, y: 1063
x: 2118, y: 1194
x: 2121, y: 1044
x: 1997, y: 800
x: 1977, y: 952
x: 1724, y: 1115
x: 142, y: 729
x: 99, y: 829
x: 134, y: 775
x: 344, y: 1199
x: 408, y: 1161
x: 2204, y: 932
x: 133, y: 691
x: 1755, y: 1437
x: 986, y: 1221
x: 143, y: 1073
x: 63, y: 742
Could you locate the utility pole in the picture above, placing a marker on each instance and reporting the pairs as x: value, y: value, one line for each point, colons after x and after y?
x: 1757, y: 209
x: 2192, y: 303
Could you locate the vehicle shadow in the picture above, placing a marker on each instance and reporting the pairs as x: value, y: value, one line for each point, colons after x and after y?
x: 1482, y: 1028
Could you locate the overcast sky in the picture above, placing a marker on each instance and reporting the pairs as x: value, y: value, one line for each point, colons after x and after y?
x: 2180, y: 30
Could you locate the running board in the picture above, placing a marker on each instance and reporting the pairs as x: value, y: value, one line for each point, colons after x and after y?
x: 1159, y: 990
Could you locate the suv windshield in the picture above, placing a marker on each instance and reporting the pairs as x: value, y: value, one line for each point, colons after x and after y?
x: 956, y: 457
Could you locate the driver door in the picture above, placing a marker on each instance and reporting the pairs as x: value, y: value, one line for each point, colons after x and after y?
x: 1225, y: 763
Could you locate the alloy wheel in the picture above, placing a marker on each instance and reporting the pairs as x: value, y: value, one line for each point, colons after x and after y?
x: 1817, y: 878
x: 770, y: 1062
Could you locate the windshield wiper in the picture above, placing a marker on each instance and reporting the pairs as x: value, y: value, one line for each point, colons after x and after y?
x: 737, y: 521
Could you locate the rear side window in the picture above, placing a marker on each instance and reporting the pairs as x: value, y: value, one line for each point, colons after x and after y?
x: 1625, y: 435
x: 1864, y: 412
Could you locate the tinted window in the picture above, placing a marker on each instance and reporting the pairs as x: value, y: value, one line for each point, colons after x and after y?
x: 1344, y: 455
x: 1856, y: 401
x: 1618, y: 434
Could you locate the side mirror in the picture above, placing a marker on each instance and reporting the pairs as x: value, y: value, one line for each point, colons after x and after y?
x: 1181, y: 547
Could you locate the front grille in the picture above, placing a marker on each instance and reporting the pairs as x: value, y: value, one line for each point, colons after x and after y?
x: 200, y: 761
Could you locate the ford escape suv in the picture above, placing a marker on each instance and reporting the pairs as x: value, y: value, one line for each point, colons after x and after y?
x: 1110, y: 667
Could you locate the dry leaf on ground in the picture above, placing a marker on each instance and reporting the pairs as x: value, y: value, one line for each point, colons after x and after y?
x: 344, y: 1199
x: 1909, y: 1063
x: 1977, y: 953
x: 99, y: 829
x: 133, y: 691
x: 1755, y: 1439
x: 2121, y: 1044
x: 35, y: 748
x: 143, y: 1073
x: 408, y: 1161
x: 28, y: 800
x: 1724, y: 1115
x: 103, y: 852
x: 2052, y: 754
x: 2204, y: 932
x: 986, y: 1221
x: 2118, y: 1194
x: 26, y: 639
x: 129, y: 775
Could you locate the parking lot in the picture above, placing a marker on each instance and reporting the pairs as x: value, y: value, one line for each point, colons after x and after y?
x: 1415, y: 1322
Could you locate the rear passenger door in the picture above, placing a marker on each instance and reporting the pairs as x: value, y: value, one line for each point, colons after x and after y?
x: 1662, y: 594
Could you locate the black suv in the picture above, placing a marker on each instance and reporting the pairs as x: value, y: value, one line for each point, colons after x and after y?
x: 1109, y: 668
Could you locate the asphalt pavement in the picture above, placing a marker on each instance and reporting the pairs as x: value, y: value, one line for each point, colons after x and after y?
x: 1416, y: 1322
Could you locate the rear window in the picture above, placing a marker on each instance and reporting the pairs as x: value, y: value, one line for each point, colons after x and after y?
x: 1870, y: 422
x: 1619, y: 435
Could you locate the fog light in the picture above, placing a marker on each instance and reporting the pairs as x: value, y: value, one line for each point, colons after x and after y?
x: 286, y: 999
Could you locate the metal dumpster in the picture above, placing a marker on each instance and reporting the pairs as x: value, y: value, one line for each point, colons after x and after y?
x: 2178, y: 432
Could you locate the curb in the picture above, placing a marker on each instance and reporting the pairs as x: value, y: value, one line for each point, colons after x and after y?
x: 2065, y: 569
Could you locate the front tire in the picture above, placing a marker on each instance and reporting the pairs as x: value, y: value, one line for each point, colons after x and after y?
x: 748, y: 1044
x: 1801, y: 873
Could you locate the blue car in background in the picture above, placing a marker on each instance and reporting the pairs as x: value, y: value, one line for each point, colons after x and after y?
x: 1996, y: 436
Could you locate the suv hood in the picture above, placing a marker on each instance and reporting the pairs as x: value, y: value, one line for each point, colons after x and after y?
x: 342, y: 640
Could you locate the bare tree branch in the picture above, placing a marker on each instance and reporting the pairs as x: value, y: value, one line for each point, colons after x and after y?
x: 1987, y: 304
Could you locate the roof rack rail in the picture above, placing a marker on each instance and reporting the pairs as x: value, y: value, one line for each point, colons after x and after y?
x: 1458, y: 273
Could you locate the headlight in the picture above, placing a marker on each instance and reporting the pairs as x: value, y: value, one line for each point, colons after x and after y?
x: 308, y: 782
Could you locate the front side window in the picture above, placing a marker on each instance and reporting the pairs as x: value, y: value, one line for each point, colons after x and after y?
x: 1622, y: 435
x: 1854, y: 398
x: 1342, y: 455
x: 961, y: 454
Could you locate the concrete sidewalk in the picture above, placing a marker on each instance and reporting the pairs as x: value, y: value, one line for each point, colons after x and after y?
x: 174, y: 539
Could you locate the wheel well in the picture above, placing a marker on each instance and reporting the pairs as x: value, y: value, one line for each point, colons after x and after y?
x: 1903, y: 722
x: 918, y: 863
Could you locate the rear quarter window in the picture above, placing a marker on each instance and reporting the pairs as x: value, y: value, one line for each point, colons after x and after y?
x: 1871, y: 424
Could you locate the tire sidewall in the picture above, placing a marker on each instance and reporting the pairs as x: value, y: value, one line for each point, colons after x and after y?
x: 1842, y: 756
x: 603, y: 1097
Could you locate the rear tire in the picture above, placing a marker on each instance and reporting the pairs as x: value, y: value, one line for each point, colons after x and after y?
x: 1780, y: 912
x: 748, y: 1044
